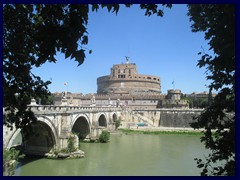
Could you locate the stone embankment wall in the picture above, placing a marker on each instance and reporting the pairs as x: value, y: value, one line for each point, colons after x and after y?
x: 177, y: 118
x: 165, y: 117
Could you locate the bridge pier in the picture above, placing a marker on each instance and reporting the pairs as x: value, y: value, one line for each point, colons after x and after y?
x: 96, y: 132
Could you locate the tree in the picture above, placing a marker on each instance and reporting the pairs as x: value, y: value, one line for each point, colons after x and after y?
x: 10, y: 158
x: 104, y: 137
x: 47, y: 100
x: 117, y: 123
x: 32, y: 35
x: 218, y: 23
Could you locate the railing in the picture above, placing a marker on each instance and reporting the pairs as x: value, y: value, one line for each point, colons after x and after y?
x: 36, y: 108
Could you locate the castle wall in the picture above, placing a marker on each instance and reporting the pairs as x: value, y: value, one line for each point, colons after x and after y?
x: 174, y: 118
x: 134, y: 84
x: 177, y: 118
x: 124, y: 79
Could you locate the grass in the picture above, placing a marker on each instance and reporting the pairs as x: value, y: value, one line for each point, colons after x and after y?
x: 129, y: 131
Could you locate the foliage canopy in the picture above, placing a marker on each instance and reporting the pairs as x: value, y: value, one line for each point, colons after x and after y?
x: 218, y: 23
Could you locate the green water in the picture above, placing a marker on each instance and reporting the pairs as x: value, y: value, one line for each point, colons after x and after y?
x: 132, y: 155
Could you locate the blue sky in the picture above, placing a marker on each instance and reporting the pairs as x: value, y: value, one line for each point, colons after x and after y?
x: 160, y: 46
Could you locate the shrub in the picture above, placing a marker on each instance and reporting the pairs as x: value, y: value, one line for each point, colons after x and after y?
x: 104, y: 137
x: 71, y: 143
x: 9, y: 161
x: 117, y: 123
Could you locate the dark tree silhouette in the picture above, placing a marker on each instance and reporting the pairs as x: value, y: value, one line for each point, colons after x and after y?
x: 218, y: 23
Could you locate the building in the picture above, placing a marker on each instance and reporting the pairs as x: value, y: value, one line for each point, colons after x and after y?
x: 202, y: 95
x: 124, y: 79
x: 173, y: 100
x: 125, y: 87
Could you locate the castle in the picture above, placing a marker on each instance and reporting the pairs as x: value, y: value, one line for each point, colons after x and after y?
x: 124, y: 79
x: 125, y: 87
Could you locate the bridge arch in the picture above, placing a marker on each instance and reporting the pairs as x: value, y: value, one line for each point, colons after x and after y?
x: 12, y: 138
x: 44, y: 138
x: 102, y: 120
x: 81, y: 126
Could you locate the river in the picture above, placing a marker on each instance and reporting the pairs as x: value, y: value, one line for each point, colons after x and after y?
x: 125, y: 155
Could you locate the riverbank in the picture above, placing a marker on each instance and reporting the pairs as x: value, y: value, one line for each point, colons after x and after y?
x: 161, y: 130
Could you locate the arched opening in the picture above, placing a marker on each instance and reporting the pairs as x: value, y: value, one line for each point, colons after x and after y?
x: 102, y: 121
x: 81, y: 128
x: 39, y: 140
x: 114, y: 117
x: 15, y: 139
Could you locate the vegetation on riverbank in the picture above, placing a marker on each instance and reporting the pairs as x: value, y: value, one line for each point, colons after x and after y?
x: 70, y: 152
x: 103, y: 138
x: 131, y: 131
x: 10, y: 158
x: 117, y: 123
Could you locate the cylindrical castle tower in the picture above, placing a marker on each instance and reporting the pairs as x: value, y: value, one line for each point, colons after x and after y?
x: 124, y: 79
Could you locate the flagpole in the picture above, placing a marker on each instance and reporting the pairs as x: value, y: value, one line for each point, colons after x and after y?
x: 67, y: 90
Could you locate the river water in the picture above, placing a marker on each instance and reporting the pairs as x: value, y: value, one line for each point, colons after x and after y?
x: 126, y: 154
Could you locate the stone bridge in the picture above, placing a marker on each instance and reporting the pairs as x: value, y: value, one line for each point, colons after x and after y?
x: 55, y: 124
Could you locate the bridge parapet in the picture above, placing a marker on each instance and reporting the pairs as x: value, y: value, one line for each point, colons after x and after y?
x: 70, y: 109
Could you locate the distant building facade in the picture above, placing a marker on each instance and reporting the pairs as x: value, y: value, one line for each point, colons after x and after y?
x: 201, y: 95
x: 173, y: 100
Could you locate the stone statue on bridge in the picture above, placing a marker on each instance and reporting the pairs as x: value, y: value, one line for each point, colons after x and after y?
x: 64, y: 94
x: 93, y: 99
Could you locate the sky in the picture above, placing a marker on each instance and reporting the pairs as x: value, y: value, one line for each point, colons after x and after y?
x: 160, y: 46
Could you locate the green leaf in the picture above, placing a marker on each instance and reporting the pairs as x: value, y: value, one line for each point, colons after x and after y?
x: 79, y: 56
x: 85, y: 40
x: 109, y: 7
x: 116, y: 8
x: 95, y: 7
x: 67, y: 54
